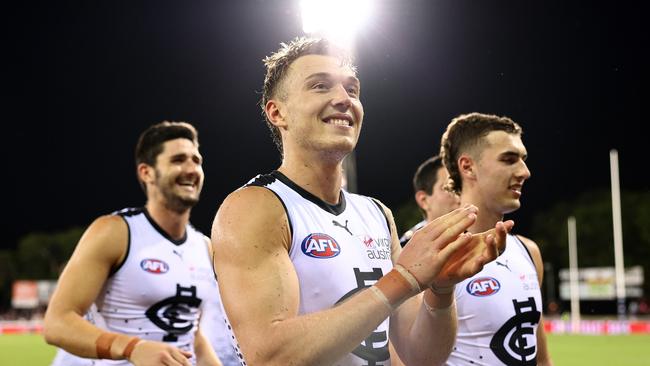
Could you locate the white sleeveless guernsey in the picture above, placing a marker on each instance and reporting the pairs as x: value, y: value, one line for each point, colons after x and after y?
x: 156, y: 293
x: 336, y: 251
x: 213, y: 327
x: 498, y: 311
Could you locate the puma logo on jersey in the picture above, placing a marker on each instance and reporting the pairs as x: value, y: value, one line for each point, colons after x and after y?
x: 336, y: 223
x: 155, y: 266
x: 503, y: 265
x: 483, y: 286
x: 319, y: 245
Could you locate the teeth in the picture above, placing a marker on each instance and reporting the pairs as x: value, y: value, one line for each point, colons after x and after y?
x: 339, y: 122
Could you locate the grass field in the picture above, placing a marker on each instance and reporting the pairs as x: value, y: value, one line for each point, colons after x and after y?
x: 25, y: 349
x: 569, y: 350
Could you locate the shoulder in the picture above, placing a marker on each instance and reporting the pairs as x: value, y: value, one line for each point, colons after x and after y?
x: 251, y: 201
x: 534, y: 251
x: 105, y: 240
x: 248, y: 213
x: 382, y: 207
x: 108, y: 227
x: 532, y: 247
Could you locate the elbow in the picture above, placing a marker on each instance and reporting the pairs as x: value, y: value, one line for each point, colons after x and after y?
x: 50, y: 336
x: 50, y: 333
x: 259, y: 358
x: 437, y: 359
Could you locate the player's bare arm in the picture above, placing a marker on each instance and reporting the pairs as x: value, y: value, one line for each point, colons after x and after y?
x: 205, y: 355
x: 260, y: 287
x: 543, y: 355
x: 99, y: 250
x: 425, y: 330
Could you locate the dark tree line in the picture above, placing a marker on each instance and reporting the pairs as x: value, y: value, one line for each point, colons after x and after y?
x: 38, y: 256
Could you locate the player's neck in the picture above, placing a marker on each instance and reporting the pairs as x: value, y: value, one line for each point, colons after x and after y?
x: 486, y: 218
x: 318, y: 177
x: 172, y: 222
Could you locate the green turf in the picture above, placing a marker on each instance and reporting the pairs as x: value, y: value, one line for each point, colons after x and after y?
x: 578, y: 350
x: 25, y: 349
x: 569, y: 350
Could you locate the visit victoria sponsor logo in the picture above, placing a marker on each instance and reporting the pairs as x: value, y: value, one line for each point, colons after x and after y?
x: 376, y: 248
x: 155, y: 266
x: 483, y: 286
x: 319, y: 245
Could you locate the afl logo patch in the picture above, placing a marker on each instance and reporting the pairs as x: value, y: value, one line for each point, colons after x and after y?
x: 320, y: 245
x: 483, y: 286
x: 154, y: 266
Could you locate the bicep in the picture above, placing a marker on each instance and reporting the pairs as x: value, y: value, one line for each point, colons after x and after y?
x: 257, y: 280
x: 99, y: 249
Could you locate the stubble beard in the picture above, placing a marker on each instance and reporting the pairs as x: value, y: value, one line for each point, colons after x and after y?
x: 174, y: 201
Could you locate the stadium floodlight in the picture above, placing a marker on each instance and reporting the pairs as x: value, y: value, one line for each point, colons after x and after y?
x: 338, y: 20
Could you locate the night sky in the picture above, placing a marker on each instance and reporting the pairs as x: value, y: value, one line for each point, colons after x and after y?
x: 85, y: 78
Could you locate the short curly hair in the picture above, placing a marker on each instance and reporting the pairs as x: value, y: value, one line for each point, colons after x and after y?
x: 464, y: 134
x: 277, y: 66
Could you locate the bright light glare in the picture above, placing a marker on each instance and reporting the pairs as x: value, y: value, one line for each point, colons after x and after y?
x: 338, y: 20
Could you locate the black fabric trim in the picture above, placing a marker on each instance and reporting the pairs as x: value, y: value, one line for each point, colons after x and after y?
x: 405, y: 238
x: 287, y: 214
x: 131, y: 211
x: 128, y: 243
x: 162, y: 232
x: 381, y: 209
x: 525, y: 247
x: 263, y: 180
x: 333, y: 209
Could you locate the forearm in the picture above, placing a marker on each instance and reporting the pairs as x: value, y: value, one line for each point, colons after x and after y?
x: 205, y: 354
x: 432, y: 334
x: 319, y: 338
x: 71, y: 332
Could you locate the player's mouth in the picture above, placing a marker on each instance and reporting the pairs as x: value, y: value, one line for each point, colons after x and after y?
x: 339, y: 119
x: 516, y: 189
x: 188, y: 184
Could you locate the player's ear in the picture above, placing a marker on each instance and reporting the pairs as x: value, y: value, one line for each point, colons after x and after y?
x: 275, y: 112
x: 421, y: 199
x: 146, y: 173
x: 466, y: 167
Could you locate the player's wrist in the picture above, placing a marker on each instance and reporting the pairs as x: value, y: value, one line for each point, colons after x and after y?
x: 107, y: 346
x: 437, y: 304
x: 396, y: 287
x: 442, y: 290
x: 130, y: 347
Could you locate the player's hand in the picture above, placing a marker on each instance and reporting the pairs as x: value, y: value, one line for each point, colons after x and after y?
x: 149, y: 353
x: 470, y: 258
x: 432, y: 246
